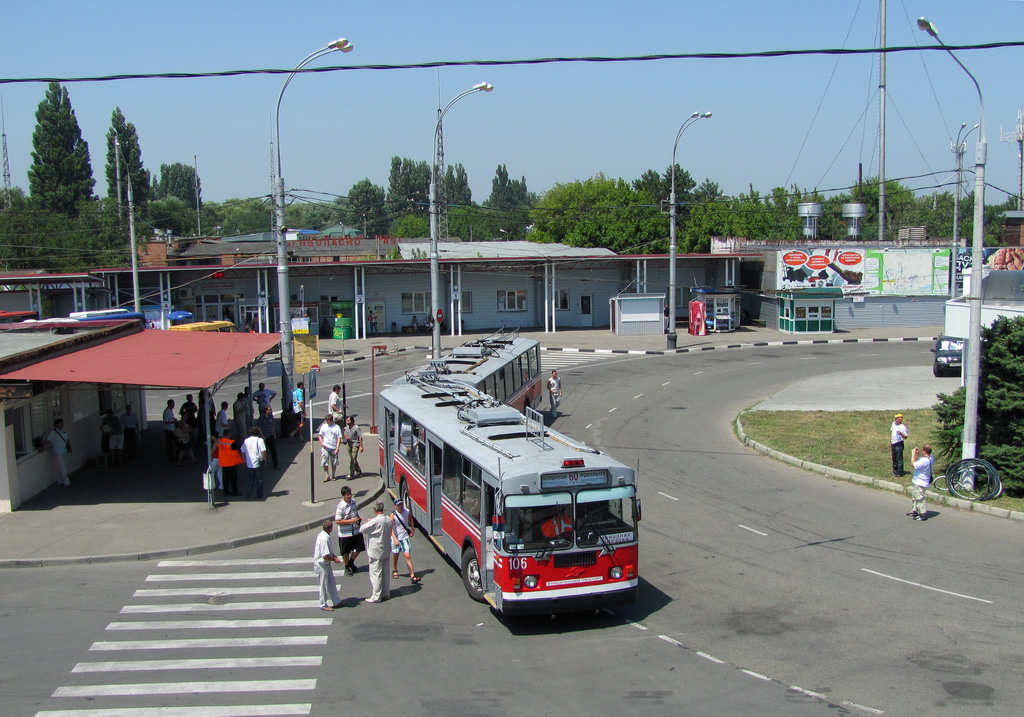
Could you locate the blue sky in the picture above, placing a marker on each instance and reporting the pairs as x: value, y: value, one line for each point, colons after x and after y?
x: 803, y: 120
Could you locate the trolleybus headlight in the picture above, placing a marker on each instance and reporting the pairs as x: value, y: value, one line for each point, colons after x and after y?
x: 530, y: 581
x: 616, y: 573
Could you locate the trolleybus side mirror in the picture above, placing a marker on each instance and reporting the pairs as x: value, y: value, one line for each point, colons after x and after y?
x: 639, y: 511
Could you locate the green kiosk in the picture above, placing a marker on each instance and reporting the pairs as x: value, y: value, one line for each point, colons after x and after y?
x: 344, y: 319
x: 808, y: 311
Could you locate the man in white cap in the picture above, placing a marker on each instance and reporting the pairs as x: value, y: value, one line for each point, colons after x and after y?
x: 897, y: 434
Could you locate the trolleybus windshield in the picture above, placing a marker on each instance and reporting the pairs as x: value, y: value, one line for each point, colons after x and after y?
x: 605, y: 515
x: 538, y: 522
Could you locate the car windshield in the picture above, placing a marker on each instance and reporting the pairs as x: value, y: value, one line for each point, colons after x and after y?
x: 951, y: 345
x: 605, y: 516
x: 538, y: 522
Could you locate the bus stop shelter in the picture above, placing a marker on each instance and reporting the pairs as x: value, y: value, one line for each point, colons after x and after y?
x: 146, y: 359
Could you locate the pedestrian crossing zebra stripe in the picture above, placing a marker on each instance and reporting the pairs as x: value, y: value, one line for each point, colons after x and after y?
x: 206, y: 607
x: 221, y: 624
x: 289, y: 575
x: 201, y: 663
x: 231, y: 562
x: 208, y: 642
x: 224, y: 590
x: 206, y: 711
x: 184, y: 688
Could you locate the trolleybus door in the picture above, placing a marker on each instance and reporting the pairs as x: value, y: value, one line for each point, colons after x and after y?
x: 389, y: 446
x: 436, y: 474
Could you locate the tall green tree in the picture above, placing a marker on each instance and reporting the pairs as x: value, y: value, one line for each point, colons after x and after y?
x: 510, y: 203
x: 408, y: 187
x: 181, y: 181
x: 456, y: 186
x: 60, y: 176
x: 366, y: 207
x: 131, y: 163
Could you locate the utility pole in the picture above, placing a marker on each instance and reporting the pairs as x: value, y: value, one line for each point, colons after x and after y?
x: 195, y: 183
x: 442, y: 194
x: 117, y: 172
x: 1016, y: 136
x: 7, y: 163
x: 881, y: 126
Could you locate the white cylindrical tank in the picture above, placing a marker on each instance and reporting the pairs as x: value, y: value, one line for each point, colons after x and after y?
x: 853, y: 213
x: 809, y: 213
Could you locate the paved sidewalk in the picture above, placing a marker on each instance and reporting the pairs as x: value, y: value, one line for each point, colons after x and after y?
x: 151, y: 509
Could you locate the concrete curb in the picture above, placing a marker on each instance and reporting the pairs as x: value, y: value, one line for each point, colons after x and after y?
x: 751, y: 344
x: 933, y: 495
x: 181, y: 552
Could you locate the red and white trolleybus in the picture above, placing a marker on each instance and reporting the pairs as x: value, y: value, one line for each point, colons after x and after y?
x: 506, y: 366
x: 537, y: 522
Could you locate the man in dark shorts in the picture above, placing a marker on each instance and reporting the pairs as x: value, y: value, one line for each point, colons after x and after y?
x: 349, y: 537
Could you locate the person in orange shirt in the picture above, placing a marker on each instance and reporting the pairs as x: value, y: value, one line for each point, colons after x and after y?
x: 229, y: 458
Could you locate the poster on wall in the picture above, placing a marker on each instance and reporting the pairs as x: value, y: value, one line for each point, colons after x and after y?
x: 910, y: 271
x: 818, y: 268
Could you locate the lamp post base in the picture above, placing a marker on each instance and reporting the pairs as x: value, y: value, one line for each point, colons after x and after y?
x: 671, y: 336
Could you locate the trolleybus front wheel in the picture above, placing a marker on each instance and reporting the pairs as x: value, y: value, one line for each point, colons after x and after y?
x: 471, y: 574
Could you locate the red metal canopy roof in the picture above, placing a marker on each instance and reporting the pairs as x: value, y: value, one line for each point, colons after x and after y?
x: 170, y: 359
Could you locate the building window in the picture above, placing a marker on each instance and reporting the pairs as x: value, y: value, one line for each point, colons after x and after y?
x: 562, y: 300
x: 512, y: 300
x: 415, y: 302
x: 466, y: 300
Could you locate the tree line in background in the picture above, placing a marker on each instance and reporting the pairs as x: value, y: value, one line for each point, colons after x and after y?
x: 62, y: 226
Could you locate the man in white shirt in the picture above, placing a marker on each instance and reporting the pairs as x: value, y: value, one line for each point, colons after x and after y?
x: 329, y: 435
x: 334, y: 404
x: 897, y: 435
x: 223, y: 423
x: 130, y: 423
x: 323, y: 565
x: 254, y: 451
x: 554, y: 393
x: 58, y: 441
x: 921, y: 480
x: 401, y: 540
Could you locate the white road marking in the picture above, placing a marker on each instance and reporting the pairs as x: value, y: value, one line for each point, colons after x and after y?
x: 668, y: 639
x: 220, y: 624
x: 808, y: 358
x: 758, y: 675
x: 613, y: 410
x: 706, y: 656
x: 697, y: 373
x: 587, y: 426
x: 639, y: 395
x: 666, y: 383
x: 206, y: 607
x: 670, y: 497
x: 927, y: 587
x: 171, y: 577
x: 856, y: 706
x: 225, y: 563
x: 755, y: 363
x: 211, y: 711
x: 184, y: 688
x: 637, y: 625
x: 753, y: 531
x: 224, y: 590
x: 192, y: 643
x: 202, y: 663
x: 809, y: 693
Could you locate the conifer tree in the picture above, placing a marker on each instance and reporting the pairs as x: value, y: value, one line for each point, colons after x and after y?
x: 60, y: 175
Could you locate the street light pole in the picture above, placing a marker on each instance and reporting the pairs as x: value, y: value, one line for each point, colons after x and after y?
x: 958, y: 151
x: 672, y: 233
x: 435, y: 279
x: 283, y: 290
x: 972, y: 375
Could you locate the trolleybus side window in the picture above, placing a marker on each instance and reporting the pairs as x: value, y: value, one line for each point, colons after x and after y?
x: 413, y: 442
x: 605, y: 516
x: 471, y: 495
x: 538, y: 522
x: 451, y: 484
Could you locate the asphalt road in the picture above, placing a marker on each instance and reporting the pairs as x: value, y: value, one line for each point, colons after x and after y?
x: 766, y: 590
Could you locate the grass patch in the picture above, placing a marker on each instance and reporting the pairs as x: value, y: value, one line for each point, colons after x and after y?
x: 854, y: 441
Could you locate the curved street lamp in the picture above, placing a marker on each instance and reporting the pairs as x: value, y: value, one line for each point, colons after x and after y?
x: 435, y: 341
x: 672, y: 232
x: 972, y: 375
x: 283, y: 291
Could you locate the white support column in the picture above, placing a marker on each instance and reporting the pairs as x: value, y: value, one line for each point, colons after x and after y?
x: 547, y: 311
x: 554, y: 300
